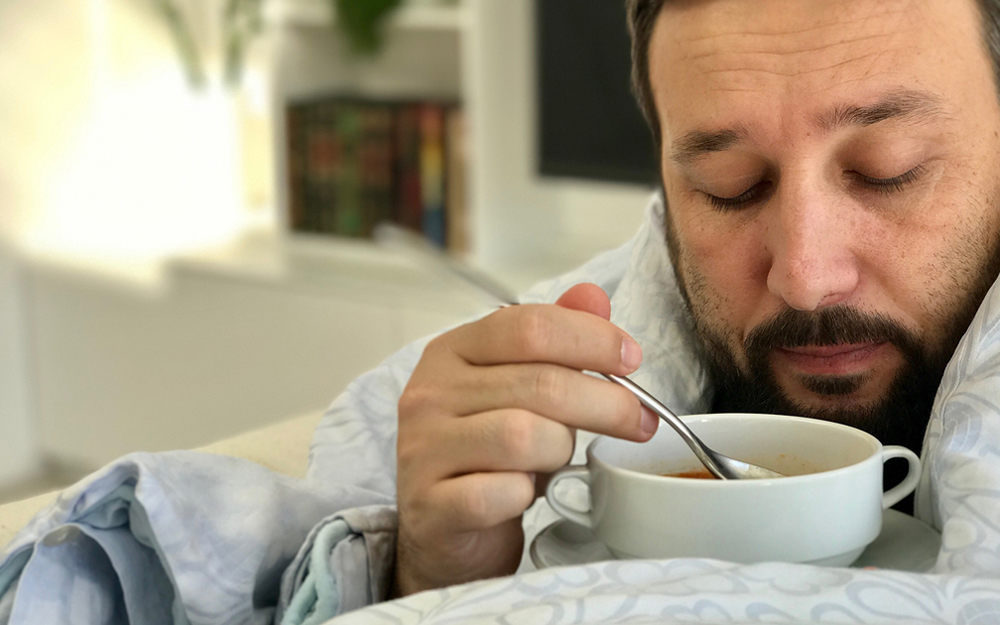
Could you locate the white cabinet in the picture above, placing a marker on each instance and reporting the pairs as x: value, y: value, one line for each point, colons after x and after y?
x: 217, y: 353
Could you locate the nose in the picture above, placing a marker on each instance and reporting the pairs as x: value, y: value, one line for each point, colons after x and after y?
x: 810, y: 237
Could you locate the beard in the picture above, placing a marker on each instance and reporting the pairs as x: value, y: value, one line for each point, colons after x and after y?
x: 899, y: 417
x: 901, y: 414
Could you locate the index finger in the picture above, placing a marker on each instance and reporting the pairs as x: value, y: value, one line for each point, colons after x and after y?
x: 550, y: 334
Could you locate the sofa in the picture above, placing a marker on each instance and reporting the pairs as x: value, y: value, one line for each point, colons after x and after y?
x: 283, y: 447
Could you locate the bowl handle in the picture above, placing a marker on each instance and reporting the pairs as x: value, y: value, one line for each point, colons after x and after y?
x: 566, y: 473
x: 893, y: 496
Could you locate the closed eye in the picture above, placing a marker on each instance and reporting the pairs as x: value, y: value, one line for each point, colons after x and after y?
x: 751, y: 196
x: 890, y: 185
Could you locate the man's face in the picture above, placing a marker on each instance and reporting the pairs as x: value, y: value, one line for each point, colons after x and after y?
x: 831, y: 171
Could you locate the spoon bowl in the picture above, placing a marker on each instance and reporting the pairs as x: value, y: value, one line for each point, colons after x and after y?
x: 720, y: 465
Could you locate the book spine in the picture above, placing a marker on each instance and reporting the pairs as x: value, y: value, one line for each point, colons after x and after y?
x: 376, y: 166
x: 321, y: 162
x: 456, y: 201
x: 432, y: 172
x: 353, y: 165
x: 409, y: 209
x: 296, y: 164
x: 349, y: 221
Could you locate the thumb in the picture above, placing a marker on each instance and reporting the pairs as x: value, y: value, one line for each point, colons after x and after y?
x: 588, y: 298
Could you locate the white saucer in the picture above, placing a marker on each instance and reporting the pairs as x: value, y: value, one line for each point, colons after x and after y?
x: 905, y: 544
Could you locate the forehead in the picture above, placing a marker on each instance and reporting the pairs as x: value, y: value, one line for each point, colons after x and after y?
x: 726, y: 61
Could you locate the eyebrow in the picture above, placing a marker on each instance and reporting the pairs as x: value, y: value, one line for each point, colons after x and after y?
x: 699, y: 142
x: 901, y: 104
x: 897, y: 105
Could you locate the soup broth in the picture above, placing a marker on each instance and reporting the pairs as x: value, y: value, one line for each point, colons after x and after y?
x: 696, y: 474
x: 786, y: 464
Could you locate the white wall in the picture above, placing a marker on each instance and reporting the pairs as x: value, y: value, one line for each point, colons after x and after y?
x: 217, y: 353
x: 44, y: 90
x: 19, y: 455
x: 520, y: 215
x: 214, y: 355
x: 106, y: 151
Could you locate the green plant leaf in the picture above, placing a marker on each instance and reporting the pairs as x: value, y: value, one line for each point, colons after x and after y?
x: 362, y: 20
x: 242, y: 21
x: 183, y: 41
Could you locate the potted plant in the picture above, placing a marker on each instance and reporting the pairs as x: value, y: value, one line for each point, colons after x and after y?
x: 360, y: 21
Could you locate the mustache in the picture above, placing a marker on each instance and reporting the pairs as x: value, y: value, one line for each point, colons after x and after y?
x: 837, y: 325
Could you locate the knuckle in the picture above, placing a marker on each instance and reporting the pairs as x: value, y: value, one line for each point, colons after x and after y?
x: 525, y: 493
x: 557, y: 450
x: 408, y: 502
x: 409, y: 450
x: 533, y: 331
x: 548, y: 385
x: 473, y: 505
x: 436, y: 345
x: 409, y: 403
x: 414, y: 518
x: 415, y: 399
x: 567, y: 443
x: 438, y: 351
x: 517, y: 435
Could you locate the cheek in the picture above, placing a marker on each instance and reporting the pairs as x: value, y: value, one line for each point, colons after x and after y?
x: 724, y: 263
x: 958, y: 265
x: 928, y: 265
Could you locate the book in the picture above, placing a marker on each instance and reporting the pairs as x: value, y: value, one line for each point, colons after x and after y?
x: 377, y: 160
x: 432, y: 192
x: 355, y: 163
x: 409, y: 207
x: 296, y: 163
x: 456, y: 152
x: 322, y: 162
x: 348, y: 208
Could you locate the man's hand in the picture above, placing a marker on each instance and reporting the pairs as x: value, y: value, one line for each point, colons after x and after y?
x: 489, y: 406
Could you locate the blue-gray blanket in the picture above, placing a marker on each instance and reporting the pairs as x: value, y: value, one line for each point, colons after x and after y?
x: 185, y: 537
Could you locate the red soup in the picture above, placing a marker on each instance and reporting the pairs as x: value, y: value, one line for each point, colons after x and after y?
x: 698, y: 474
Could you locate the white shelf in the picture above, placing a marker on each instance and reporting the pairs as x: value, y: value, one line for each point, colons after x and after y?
x: 355, y: 269
x: 318, y: 13
x: 479, y: 52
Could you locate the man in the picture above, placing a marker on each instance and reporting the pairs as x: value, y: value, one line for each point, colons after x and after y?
x: 828, y: 227
x: 830, y: 175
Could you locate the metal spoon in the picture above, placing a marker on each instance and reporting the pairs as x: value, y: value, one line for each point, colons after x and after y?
x: 720, y: 465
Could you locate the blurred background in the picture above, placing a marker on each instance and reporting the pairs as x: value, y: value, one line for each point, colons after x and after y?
x: 188, y: 190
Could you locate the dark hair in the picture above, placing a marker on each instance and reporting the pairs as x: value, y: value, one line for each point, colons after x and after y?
x: 642, y: 15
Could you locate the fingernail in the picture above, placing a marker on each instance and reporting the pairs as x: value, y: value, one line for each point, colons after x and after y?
x: 631, y: 353
x: 649, y: 421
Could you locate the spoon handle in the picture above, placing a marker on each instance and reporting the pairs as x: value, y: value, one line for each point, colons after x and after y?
x: 674, y: 421
x: 396, y: 237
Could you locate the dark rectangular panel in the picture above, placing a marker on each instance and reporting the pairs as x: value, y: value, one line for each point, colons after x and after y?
x: 589, y: 123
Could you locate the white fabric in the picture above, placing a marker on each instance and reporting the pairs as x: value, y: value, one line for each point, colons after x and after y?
x: 960, y: 493
x: 206, y: 538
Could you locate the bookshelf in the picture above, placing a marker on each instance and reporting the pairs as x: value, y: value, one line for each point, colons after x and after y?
x: 478, y: 53
x: 420, y: 65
